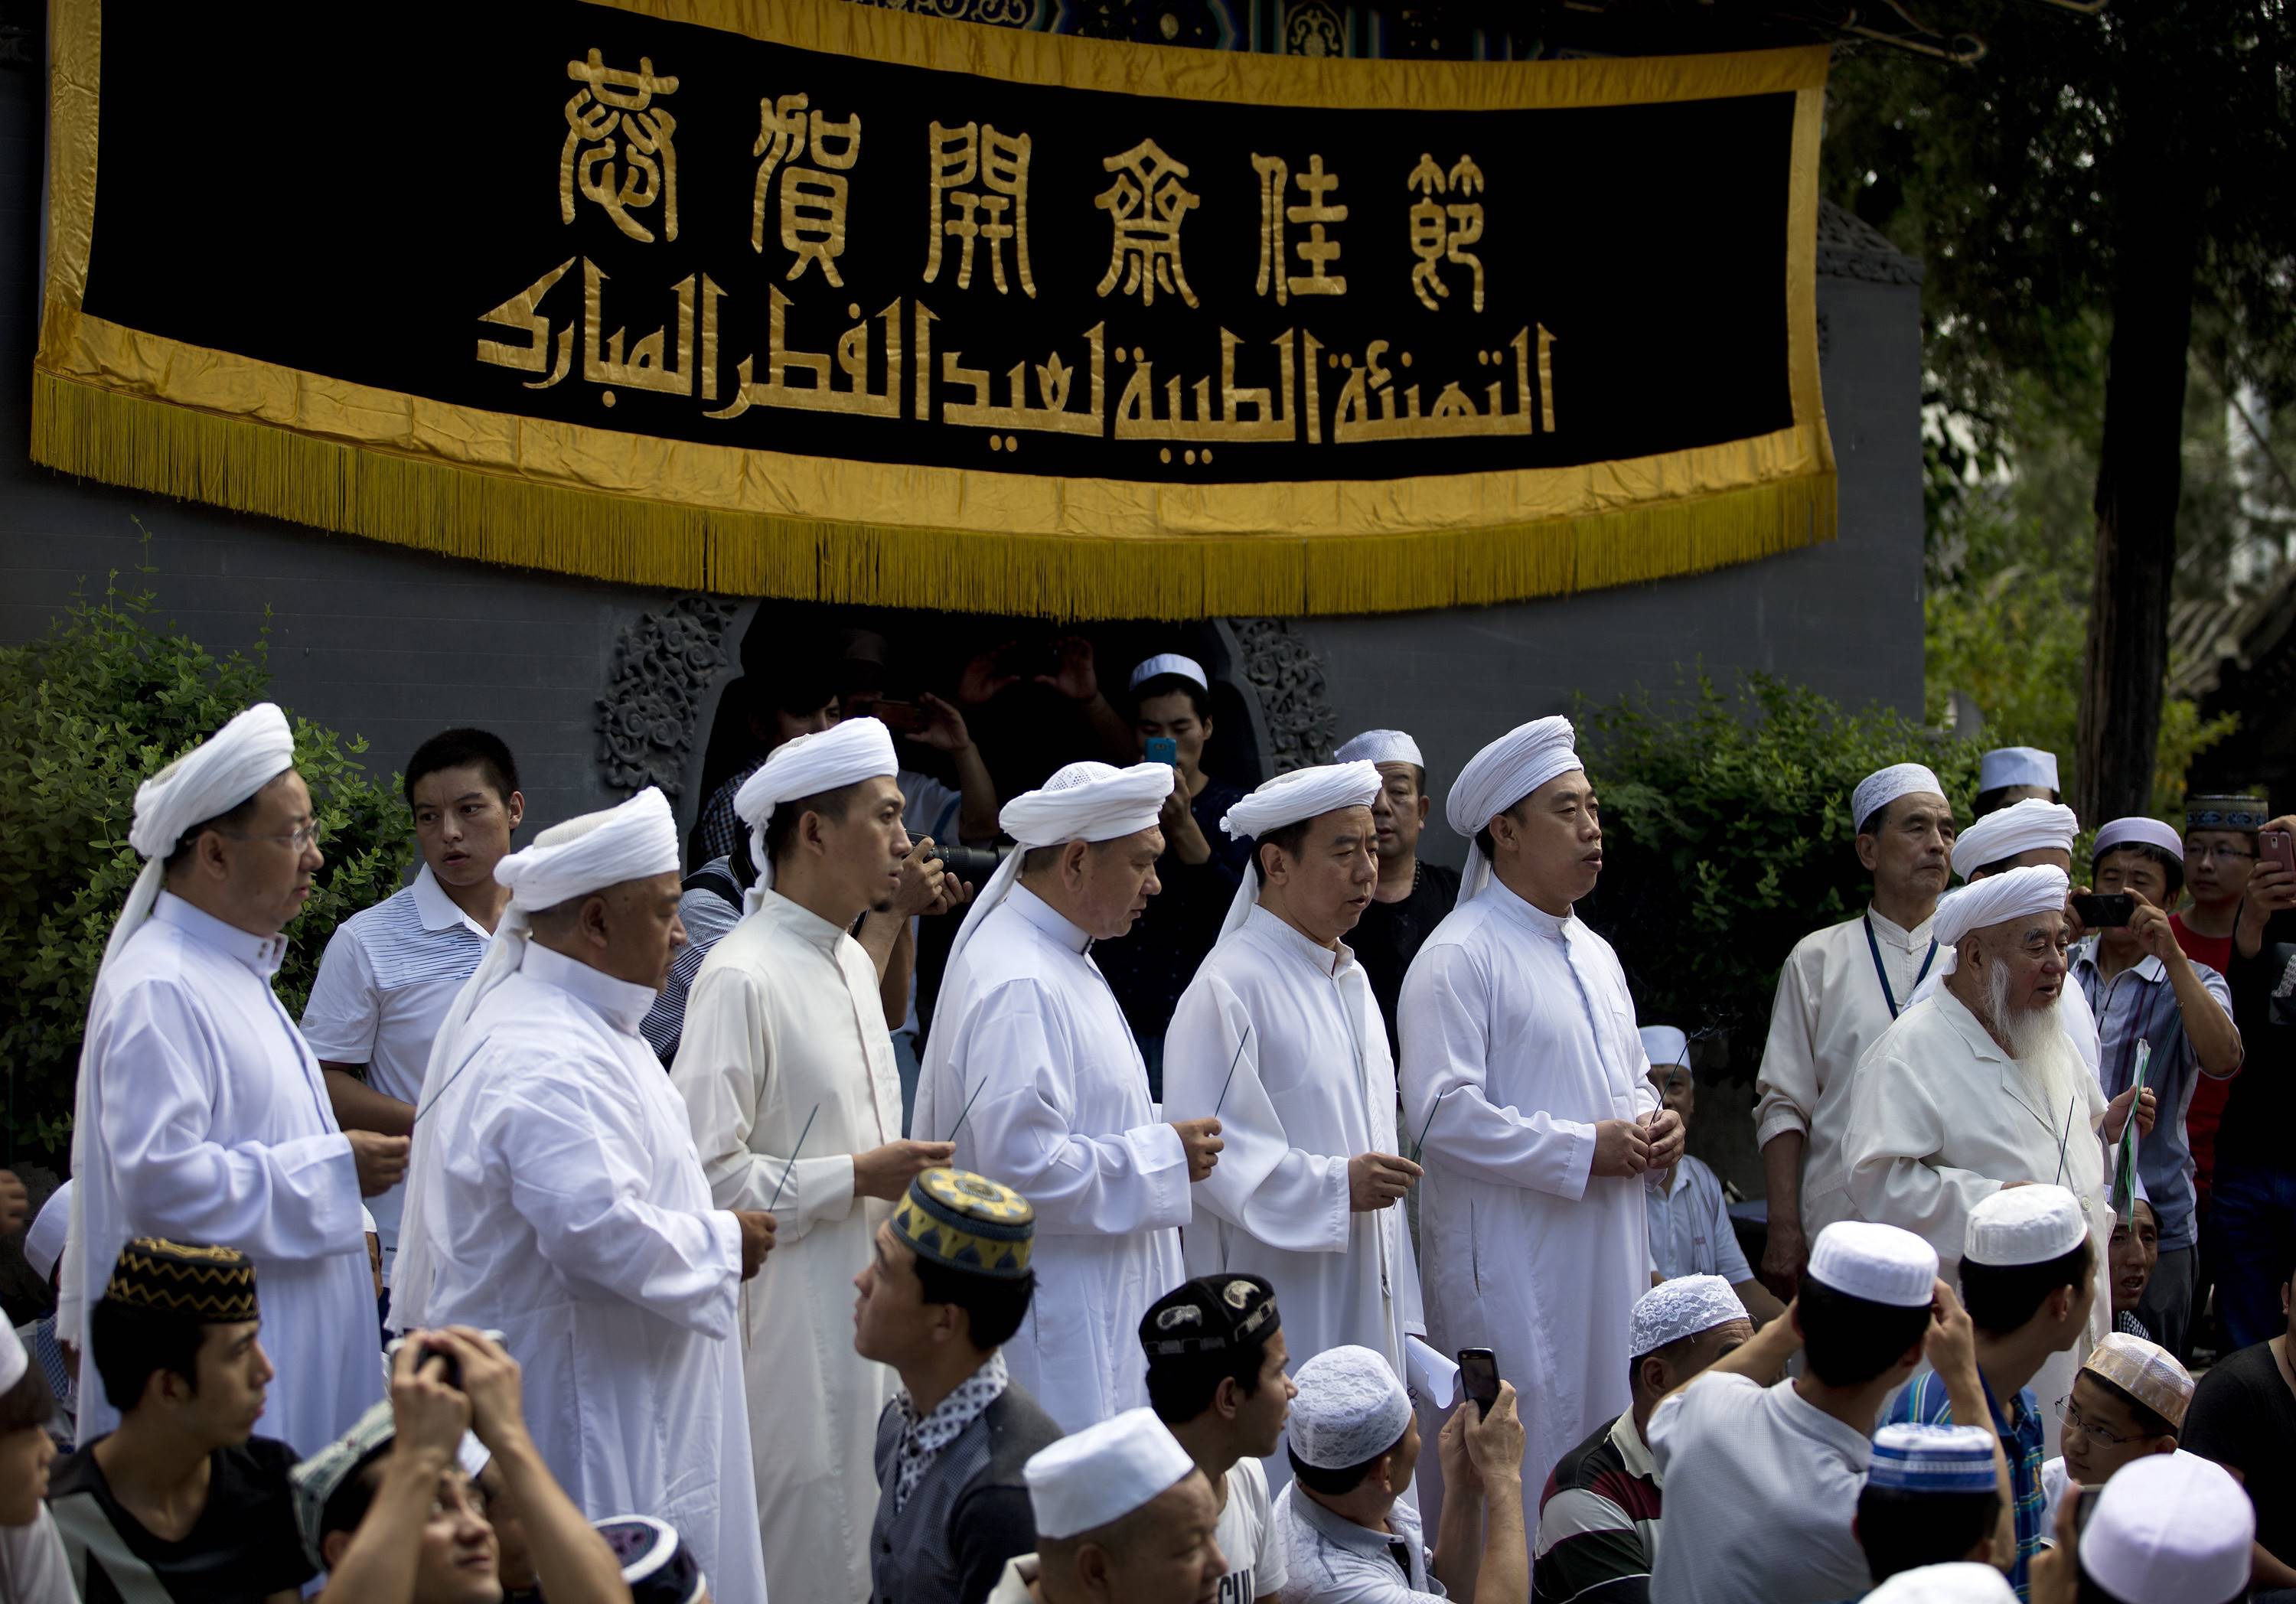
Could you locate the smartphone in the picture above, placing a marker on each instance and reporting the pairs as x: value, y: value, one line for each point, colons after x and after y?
x: 2277, y: 846
x: 2104, y: 910
x: 1478, y: 1376
x: 901, y: 718
x: 452, y: 1374
x: 1161, y: 749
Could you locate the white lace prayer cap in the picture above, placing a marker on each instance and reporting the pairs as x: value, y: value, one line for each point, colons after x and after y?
x: 1880, y: 1264
x: 44, y: 1243
x: 1884, y: 785
x: 844, y: 754
x: 2170, y: 1528
x: 2024, y: 1225
x: 1956, y: 1582
x: 635, y: 840
x: 2033, y: 825
x: 1380, y: 746
x: 1170, y: 662
x: 1998, y: 898
x: 2138, y: 832
x: 1082, y: 802
x: 1093, y: 1477
x: 1682, y: 1307
x: 1664, y: 1046
x: 1305, y: 793
x: 2005, y: 767
x: 1351, y: 1409
x: 1496, y: 778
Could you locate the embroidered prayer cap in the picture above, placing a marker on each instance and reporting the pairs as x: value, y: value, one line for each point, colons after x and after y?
x: 1884, y: 785
x: 1496, y: 778
x: 2136, y: 832
x: 1998, y: 898
x: 1932, y: 1459
x: 1880, y: 1264
x: 316, y: 1481
x: 2250, y: 813
x: 966, y: 1222
x: 1211, y: 1315
x: 1093, y: 1477
x: 44, y: 1243
x: 1170, y: 662
x: 2147, y: 1372
x: 2033, y: 825
x: 1081, y: 802
x: 1380, y: 746
x: 215, y: 1285
x: 1304, y: 793
x: 2024, y: 1225
x: 2017, y: 765
x: 657, y: 1567
x: 1664, y: 1046
x: 1350, y: 1410
x: 844, y: 754
x: 13, y: 1359
x: 2169, y: 1528
x: 1684, y: 1307
x: 1956, y: 1582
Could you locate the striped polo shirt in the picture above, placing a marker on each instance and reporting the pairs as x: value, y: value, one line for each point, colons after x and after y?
x: 1598, y: 1518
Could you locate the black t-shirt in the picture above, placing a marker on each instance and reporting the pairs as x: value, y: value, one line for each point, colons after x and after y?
x: 1150, y: 967
x: 243, y: 1549
x: 1389, y: 936
x: 2262, y: 1102
x: 2244, y: 1416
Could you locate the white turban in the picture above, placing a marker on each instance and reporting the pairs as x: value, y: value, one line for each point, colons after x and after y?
x: 1882, y: 786
x: 1496, y: 778
x: 1380, y: 746
x: 2033, y: 825
x: 844, y: 754
x: 1287, y: 799
x: 1997, y: 898
x: 635, y: 840
x: 1082, y: 802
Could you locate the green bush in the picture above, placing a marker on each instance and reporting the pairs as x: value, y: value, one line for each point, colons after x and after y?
x: 1726, y: 838
x: 86, y: 715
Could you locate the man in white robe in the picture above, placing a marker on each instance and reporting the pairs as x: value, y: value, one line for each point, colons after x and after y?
x: 1837, y: 992
x: 1525, y: 1079
x: 556, y: 1196
x: 1280, y: 1038
x: 1033, y: 1073
x: 201, y: 1115
x: 788, y: 1076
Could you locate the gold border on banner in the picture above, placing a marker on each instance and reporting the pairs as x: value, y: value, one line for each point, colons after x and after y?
x: 133, y: 408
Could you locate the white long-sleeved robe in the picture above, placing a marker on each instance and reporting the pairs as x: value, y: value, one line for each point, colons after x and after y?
x: 1313, y: 1086
x: 208, y: 1121
x: 1519, y: 1037
x: 567, y: 1210
x: 784, y: 1018
x: 1030, y: 1033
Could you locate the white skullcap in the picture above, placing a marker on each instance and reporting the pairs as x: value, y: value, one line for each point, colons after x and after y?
x: 844, y: 754
x: 1664, y: 1045
x: 1998, y: 898
x: 1882, y: 786
x: 367, y: 1227
x: 1496, y: 778
x: 2024, y: 1225
x: 1880, y: 1264
x: 2170, y: 1528
x: 1958, y: 1582
x: 1082, y: 802
x: 1351, y: 1409
x: 2032, y: 825
x: 1678, y: 1308
x: 44, y: 1243
x: 1170, y: 662
x: 13, y: 1359
x: 1304, y: 793
x: 2017, y: 765
x: 1098, y: 1476
x: 2137, y: 831
x: 2147, y: 1372
x: 582, y: 855
x: 1380, y: 746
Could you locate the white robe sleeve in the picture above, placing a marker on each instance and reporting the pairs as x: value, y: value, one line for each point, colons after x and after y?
x: 1895, y: 1124
x: 1444, y: 1017
x: 1785, y: 1085
x: 1080, y: 1184
x: 725, y: 1062
x: 1284, y: 1196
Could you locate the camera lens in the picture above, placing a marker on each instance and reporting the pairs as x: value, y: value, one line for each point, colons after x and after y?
x: 973, y: 863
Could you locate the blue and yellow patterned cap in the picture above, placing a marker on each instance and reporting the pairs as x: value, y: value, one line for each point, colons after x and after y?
x: 962, y: 1221
x: 2227, y: 812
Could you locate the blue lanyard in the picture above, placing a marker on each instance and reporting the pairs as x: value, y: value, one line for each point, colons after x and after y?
x: 1883, y: 975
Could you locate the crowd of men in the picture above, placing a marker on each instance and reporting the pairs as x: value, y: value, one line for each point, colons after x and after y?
x: 603, y: 1231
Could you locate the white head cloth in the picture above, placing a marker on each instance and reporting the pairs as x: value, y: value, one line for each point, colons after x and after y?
x: 2024, y: 1225
x: 2136, y: 832
x: 1881, y: 1264
x: 252, y: 749
x: 1170, y: 662
x: 1998, y: 898
x: 1351, y: 1408
x: 1093, y: 1477
x: 1664, y: 1046
x: 1496, y: 778
x: 2169, y: 1528
x: 1678, y: 1308
x: 1958, y: 1582
x: 13, y: 1359
x: 2035, y: 824
x: 1286, y: 799
x: 1882, y: 786
x: 2017, y: 765
x: 44, y: 1243
x: 589, y: 853
x: 1082, y: 802
x: 844, y: 754
x: 1380, y: 746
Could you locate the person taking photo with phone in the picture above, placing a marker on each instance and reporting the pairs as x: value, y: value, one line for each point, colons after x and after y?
x: 2254, y: 1197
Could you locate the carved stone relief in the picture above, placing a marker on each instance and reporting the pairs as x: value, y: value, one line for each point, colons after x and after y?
x: 1286, y: 674
x: 665, y: 664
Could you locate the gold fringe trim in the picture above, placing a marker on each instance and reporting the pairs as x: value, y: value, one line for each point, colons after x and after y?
x: 498, y: 517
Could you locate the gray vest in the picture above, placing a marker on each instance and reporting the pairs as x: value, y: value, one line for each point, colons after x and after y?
x: 970, y: 1512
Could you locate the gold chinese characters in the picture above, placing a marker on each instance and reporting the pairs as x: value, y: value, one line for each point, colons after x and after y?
x: 613, y: 101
